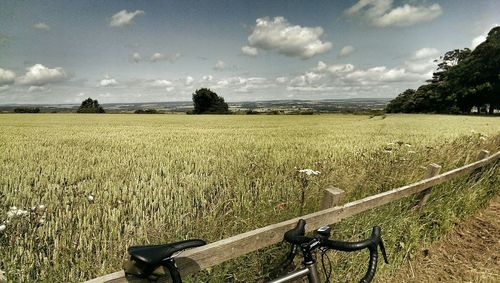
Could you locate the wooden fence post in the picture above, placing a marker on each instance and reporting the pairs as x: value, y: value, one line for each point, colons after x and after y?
x: 332, y: 197
x: 482, y: 155
x: 432, y: 170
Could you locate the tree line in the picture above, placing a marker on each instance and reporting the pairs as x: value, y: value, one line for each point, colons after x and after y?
x: 464, y: 80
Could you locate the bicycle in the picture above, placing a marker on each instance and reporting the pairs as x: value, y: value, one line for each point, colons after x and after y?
x: 148, y: 258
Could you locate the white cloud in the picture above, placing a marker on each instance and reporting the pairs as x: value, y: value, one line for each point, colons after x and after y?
x: 249, y: 51
x: 346, y: 79
x: 207, y: 78
x: 188, y: 81
x: 124, y: 18
x: 136, y: 57
x: 346, y: 50
x: 243, y: 85
x: 281, y: 80
x: 108, y: 82
x: 162, y: 57
x: 382, y: 14
x: 308, y: 78
x: 422, y: 62
x: 477, y: 40
x: 41, y: 26
x: 334, y: 68
x: 219, y: 65
x: 6, y: 76
x: 39, y: 75
x: 35, y: 88
x: 426, y: 53
x: 161, y: 83
x: 287, y: 39
x: 481, y: 38
x: 157, y: 57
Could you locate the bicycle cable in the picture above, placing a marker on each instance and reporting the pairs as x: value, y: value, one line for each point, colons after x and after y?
x: 329, y: 273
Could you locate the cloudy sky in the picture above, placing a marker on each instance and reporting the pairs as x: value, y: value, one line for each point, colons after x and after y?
x: 145, y: 51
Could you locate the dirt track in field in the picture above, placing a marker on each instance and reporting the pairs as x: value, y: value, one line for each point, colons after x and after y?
x: 469, y: 253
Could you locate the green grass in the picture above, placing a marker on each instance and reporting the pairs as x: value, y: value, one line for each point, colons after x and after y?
x: 161, y: 178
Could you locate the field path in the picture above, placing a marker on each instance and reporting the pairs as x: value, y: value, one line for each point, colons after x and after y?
x: 469, y: 253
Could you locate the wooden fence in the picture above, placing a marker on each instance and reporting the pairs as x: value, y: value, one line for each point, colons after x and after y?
x: 212, y: 254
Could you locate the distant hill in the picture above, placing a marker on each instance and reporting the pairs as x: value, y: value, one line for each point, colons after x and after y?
x: 324, y: 106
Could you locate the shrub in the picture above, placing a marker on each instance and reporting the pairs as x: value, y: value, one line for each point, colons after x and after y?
x: 27, y: 110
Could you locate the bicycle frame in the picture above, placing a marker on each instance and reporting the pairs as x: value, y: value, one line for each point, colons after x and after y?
x: 310, y: 271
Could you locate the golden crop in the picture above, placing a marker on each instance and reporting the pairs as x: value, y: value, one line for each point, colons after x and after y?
x: 109, y: 181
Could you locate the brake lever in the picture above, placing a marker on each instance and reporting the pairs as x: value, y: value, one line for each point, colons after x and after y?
x: 382, y: 249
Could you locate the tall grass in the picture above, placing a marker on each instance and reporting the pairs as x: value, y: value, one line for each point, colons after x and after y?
x: 110, y: 181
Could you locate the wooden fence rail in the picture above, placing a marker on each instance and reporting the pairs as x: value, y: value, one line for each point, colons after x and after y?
x: 217, y: 252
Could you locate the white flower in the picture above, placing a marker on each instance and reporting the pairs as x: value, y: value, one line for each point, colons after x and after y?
x: 3, y: 278
x: 407, y: 145
x: 411, y: 152
x: 90, y: 198
x: 3, y: 227
x: 14, y: 212
x: 309, y: 172
x: 482, y: 138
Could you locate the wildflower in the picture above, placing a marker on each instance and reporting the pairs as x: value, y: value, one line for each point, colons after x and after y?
x: 411, y: 152
x: 309, y: 172
x: 90, y: 198
x: 3, y: 227
x: 407, y: 145
x: 482, y: 138
x: 3, y: 278
x: 280, y: 205
x: 15, y: 212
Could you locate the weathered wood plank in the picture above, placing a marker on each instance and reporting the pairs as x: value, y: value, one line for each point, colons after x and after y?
x: 432, y: 170
x: 483, y: 154
x: 331, y: 197
x: 217, y: 252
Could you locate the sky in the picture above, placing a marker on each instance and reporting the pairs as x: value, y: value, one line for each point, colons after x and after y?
x: 59, y: 52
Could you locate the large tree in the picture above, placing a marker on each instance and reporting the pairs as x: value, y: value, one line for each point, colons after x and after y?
x: 208, y: 102
x: 90, y: 106
x: 464, y: 79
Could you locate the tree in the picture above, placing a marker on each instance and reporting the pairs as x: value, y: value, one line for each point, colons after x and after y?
x: 90, y: 106
x: 402, y: 103
x: 27, y: 110
x: 464, y: 79
x: 208, y: 102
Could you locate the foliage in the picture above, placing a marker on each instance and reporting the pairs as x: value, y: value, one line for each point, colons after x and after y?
x: 27, y: 110
x: 146, y: 111
x: 112, y: 181
x: 464, y: 79
x: 208, y: 102
x: 90, y: 106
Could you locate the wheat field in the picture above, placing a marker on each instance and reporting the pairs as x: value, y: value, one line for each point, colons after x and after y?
x: 77, y: 189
